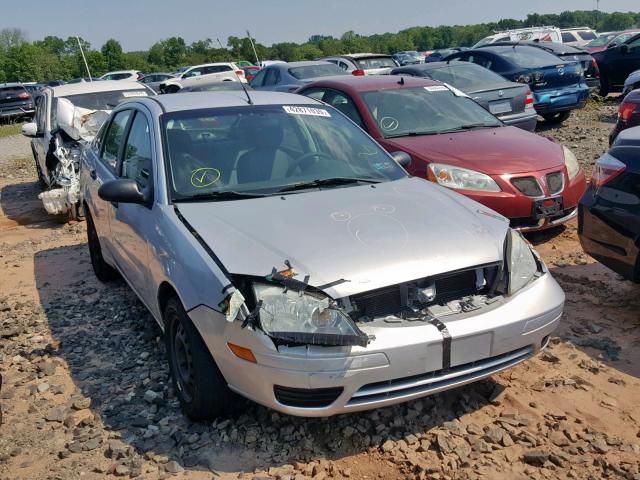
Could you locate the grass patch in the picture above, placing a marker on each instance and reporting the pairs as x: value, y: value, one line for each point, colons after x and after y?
x: 10, y: 129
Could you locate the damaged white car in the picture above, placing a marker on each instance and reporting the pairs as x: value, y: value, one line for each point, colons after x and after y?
x: 67, y: 117
x: 291, y: 260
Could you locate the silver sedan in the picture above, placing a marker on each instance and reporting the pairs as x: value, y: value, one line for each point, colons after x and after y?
x: 290, y: 260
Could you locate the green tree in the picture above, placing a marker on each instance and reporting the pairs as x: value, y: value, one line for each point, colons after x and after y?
x: 113, y: 55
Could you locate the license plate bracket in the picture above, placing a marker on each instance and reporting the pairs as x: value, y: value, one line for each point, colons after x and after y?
x: 500, y: 107
x: 547, y: 207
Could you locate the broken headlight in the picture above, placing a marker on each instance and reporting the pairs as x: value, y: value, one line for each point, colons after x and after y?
x: 304, y: 318
x: 522, y: 263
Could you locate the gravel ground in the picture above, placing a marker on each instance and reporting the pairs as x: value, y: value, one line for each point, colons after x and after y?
x: 86, y: 392
x: 13, y: 147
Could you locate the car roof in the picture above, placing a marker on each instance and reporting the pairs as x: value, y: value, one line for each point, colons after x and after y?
x: 91, y: 87
x: 370, y: 83
x: 360, y: 55
x: 434, y: 66
x: 120, y: 71
x: 177, y: 102
x: 554, y: 47
x: 492, y: 48
x: 11, y: 84
x: 307, y: 63
x: 212, y: 64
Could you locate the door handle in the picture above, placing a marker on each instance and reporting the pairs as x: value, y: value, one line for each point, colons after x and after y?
x: 93, y: 174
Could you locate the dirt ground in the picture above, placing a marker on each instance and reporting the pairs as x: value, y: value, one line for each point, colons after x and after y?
x: 86, y: 391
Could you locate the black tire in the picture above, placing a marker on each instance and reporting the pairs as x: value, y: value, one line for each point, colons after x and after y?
x: 172, y: 89
x: 557, y: 118
x: 102, y: 269
x: 604, y: 87
x: 197, y: 380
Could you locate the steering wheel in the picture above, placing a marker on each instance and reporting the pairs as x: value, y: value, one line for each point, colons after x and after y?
x: 303, y: 163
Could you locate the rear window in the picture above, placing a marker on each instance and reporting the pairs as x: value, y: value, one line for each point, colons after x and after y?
x: 528, y: 57
x: 105, y: 100
x: 465, y: 76
x: 568, y: 37
x: 375, y: 62
x: 12, y: 91
x: 313, y: 71
x: 587, y: 35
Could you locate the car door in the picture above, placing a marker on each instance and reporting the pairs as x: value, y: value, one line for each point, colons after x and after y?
x: 130, y: 222
x: 625, y: 62
x: 192, y: 77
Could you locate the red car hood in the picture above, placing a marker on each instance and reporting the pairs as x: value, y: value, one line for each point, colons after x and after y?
x: 495, y: 151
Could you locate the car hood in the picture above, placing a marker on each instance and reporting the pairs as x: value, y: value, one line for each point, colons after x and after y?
x: 494, y: 151
x: 360, y: 237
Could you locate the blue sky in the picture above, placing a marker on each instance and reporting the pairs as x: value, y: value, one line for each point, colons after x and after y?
x: 140, y: 23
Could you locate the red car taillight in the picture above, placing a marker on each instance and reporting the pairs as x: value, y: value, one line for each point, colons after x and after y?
x: 240, y: 73
x: 529, y: 101
x: 626, y: 110
x: 24, y: 95
x: 606, y: 169
x: 358, y: 73
x: 594, y: 64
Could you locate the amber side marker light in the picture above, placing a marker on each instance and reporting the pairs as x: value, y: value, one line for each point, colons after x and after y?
x: 243, y: 353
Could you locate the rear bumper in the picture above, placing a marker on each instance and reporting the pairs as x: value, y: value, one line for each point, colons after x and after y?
x: 526, y: 120
x: 561, y: 99
x: 16, y: 111
x: 402, y: 363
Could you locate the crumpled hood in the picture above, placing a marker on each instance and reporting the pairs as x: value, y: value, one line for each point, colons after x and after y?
x: 495, y: 151
x: 370, y: 236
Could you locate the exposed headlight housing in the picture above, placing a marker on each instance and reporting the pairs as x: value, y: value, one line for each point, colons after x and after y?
x: 462, y: 178
x: 305, y: 318
x: 571, y: 162
x: 521, y: 262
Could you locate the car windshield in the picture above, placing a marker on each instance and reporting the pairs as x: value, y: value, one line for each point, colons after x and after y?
x: 314, y: 71
x: 623, y: 38
x: 527, y: 57
x: 104, y: 100
x: 429, y: 110
x: 601, y: 41
x: 367, y: 63
x: 237, y: 152
x: 464, y: 75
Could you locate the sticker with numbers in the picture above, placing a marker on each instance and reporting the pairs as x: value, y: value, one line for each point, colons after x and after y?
x: 315, y: 112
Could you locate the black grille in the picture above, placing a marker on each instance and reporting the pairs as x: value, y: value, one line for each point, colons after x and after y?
x: 306, y: 397
x: 555, y: 182
x: 527, y: 185
x: 388, y: 300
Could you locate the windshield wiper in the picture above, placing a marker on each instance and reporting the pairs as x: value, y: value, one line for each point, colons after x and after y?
x: 411, y: 134
x: 225, y: 195
x: 326, y: 182
x: 470, y: 126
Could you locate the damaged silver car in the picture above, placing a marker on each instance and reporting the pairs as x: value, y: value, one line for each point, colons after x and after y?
x: 290, y: 260
x: 67, y: 117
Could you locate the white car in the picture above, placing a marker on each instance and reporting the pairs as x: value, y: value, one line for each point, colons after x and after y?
x: 543, y: 34
x: 67, y: 117
x: 123, y: 75
x: 364, y: 63
x: 200, y: 75
x: 578, y: 37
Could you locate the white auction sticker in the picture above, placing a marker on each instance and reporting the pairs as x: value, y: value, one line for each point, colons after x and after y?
x: 437, y: 88
x: 316, y: 112
x: 134, y: 94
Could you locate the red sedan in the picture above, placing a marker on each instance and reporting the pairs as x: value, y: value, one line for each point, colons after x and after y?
x: 456, y: 143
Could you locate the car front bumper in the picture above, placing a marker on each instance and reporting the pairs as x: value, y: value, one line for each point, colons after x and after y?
x: 559, y: 100
x: 402, y: 363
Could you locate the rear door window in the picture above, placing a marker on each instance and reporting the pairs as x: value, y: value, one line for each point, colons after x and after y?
x: 271, y: 77
x: 568, y: 37
x: 114, y: 139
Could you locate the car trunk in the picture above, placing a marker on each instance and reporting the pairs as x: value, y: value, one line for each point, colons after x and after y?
x: 586, y: 62
x: 556, y: 76
x: 501, y: 98
x: 15, y: 98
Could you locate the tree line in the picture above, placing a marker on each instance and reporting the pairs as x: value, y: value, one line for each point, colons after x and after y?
x: 57, y: 58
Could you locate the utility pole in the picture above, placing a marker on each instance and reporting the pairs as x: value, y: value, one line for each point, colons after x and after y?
x: 254, y: 48
x: 86, y: 65
x: 597, y: 12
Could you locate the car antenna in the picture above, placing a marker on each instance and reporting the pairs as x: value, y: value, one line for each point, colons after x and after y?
x: 401, y: 81
x: 246, y: 92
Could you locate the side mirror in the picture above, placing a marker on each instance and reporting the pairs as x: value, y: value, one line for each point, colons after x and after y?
x: 402, y: 158
x: 624, y: 48
x: 31, y: 130
x: 123, y: 190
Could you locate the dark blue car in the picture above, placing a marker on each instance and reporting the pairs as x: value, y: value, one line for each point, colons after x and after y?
x: 558, y: 86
